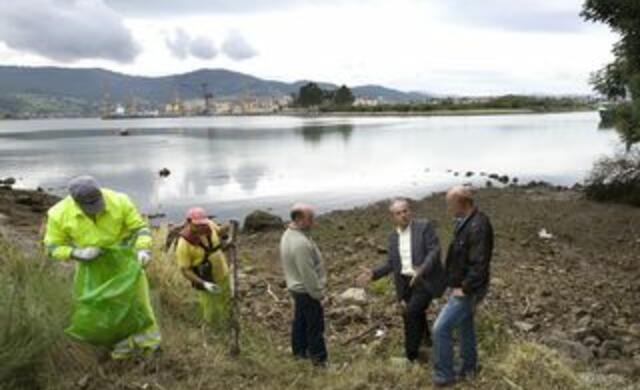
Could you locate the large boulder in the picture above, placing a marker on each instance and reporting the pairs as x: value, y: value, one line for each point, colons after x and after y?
x: 260, y: 221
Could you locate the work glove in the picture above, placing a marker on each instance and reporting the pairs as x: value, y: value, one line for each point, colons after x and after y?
x: 211, y: 287
x: 144, y: 257
x: 86, y: 254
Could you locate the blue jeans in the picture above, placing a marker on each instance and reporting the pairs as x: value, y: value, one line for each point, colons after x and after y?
x: 457, y: 313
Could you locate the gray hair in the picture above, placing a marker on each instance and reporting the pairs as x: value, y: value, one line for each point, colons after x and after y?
x: 398, y: 200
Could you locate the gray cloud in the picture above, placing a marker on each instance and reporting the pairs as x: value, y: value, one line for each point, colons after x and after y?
x: 237, y: 48
x: 178, y: 45
x: 67, y: 30
x: 203, y: 48
x: 523, y: 16
x: 181, y: 46
x: 145, y: 8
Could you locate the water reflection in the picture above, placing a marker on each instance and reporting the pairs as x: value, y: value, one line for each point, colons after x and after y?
x: 314, y: 134
x: 232, y: 165
x: 248, y: 176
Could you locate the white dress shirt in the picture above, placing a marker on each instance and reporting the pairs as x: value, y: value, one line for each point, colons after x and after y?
x: 404, y: 248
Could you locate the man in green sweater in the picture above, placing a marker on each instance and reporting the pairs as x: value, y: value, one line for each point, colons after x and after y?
x: 306, y: 279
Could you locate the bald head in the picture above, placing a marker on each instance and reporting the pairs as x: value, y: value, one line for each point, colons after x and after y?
x: 460, y: 201
x: 302, y: 215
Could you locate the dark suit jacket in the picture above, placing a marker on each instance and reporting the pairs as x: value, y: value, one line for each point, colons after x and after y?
x: 425, y: 256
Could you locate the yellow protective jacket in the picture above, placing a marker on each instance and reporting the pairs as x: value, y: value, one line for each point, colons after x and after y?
x: 189, y: 255
x: 120, y: 223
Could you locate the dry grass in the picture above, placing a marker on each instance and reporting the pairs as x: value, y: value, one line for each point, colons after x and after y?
x: 196, y: 357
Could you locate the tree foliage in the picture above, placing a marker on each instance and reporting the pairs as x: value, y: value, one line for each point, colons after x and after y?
x: 311, y: 95
x: 620, y: 80
x: 343, y: 96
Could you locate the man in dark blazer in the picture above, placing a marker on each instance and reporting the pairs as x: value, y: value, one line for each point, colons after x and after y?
x: 414, y: 261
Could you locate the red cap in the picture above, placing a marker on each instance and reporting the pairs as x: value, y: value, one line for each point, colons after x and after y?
x: 197, y: 216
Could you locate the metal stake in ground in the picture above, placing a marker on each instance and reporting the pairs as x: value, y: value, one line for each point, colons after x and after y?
x: 233, y: 275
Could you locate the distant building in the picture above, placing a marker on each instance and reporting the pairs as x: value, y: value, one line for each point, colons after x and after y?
x: 366, y: 102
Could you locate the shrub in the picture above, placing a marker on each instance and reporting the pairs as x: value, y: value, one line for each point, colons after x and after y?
x: 616, y: 179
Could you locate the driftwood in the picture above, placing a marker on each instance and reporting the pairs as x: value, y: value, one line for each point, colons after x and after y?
x: 362, y: 335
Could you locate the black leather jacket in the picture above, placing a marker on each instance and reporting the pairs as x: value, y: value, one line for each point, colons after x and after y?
x: 469, y: 255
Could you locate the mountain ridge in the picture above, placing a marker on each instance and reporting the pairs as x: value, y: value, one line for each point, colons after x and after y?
x: 93, y: 84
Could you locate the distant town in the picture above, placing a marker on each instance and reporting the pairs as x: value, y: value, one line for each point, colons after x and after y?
x: 46, y: 92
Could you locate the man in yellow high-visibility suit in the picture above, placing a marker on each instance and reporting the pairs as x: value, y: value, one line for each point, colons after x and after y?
x: 202, y: 262
x: 90, y: 219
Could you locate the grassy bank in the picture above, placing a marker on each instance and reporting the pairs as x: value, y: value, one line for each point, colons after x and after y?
x: 542, y: 282
x: 38, y: 355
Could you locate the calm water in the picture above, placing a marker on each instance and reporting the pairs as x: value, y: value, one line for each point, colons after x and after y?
x: 235, y: 165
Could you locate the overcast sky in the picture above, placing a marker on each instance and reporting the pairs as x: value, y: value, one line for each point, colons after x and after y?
x: 440, y: 46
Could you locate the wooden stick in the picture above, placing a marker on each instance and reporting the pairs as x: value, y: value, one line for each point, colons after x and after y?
x: 235, y: 323
x: 270, y: 292
x: 362, y: 335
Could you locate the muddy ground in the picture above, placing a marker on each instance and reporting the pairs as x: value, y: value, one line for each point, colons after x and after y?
x: 576, y: 291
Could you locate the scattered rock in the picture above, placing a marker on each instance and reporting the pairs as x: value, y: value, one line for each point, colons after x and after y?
x: 584, y: 322
x: 497, y: 282
x: 610, y: 349
x: 504, y: 179
x: 546, y: 293
x: 573, y: 349
x: 83, y: 382
x: 543, y: 234
x: 259, y: 221
x: 634, y: 330
x: 342, y: 316
x: 526, y: 326
x: 591, y: 341
x: 627, y: 369
x: 469, y: 174
x: 26, y: 200
x: 354, y: 295
x: 124, y: 132
x: 164, y: 172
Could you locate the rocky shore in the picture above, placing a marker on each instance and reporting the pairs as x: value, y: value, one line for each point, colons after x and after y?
x: 565, y: 271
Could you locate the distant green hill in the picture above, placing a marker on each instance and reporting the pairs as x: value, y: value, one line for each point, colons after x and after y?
x: 47, y: 89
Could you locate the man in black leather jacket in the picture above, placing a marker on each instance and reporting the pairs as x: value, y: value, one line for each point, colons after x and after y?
x: 467, y: 266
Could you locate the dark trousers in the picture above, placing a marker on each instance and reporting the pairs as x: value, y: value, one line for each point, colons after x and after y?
x: 417, y: 300
x: 307, y: 329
